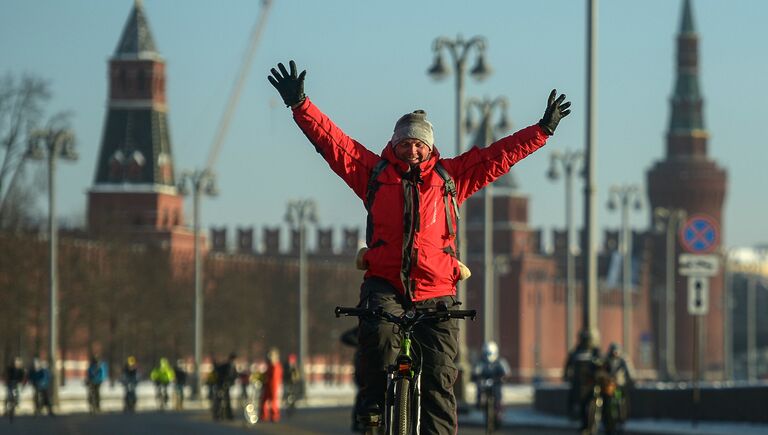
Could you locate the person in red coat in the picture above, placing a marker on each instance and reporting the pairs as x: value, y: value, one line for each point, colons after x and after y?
x: 269, y: 402
x: 412, y: 256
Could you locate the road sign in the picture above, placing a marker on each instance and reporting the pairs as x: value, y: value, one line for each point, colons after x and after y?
x: 698, y: 295
x: 700, y: 234
x: 694, y: 264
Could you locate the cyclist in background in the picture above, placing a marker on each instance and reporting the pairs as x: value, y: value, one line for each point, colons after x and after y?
x: 181, y: 382
x: 226, y: 375
x: 491, y: 368
x: 293, y: 380
x: 581, y: 372
x: 162, y: 376
x: 95, y: 375
x: 269, y: 403
x: 620, y: 370
x: 130, y: 379
x: 40, y: 378
x: 15, y: 378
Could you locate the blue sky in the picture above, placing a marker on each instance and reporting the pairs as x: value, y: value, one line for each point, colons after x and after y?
x: 367, y: 64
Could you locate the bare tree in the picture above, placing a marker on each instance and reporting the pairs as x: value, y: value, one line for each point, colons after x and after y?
x: 22, y: 103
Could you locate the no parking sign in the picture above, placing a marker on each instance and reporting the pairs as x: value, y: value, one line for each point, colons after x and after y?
x: 700, y: 234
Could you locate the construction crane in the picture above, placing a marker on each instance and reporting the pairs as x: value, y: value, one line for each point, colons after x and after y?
x: 237, y: 89
x: 203, y: 182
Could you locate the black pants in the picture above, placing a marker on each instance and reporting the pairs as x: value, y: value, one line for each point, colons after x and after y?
x: 436, y: 346
x: 43, y: 400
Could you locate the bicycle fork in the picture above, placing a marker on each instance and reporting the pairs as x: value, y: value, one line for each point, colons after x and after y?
x: 404, y: 368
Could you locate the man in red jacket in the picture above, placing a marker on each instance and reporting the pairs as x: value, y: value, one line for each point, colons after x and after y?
x: 412, y: 251
x: 269, y: 402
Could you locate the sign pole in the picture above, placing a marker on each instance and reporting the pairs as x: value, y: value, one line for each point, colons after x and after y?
x: 696, y: 350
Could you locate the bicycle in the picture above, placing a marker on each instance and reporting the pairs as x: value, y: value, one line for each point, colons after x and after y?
x: 614, y: 406
x: 291, y: 395
x: 178, y: 397
x: 403, y: 393
x: 221, y: 406
x: 12, y: 401
x: 37, y: 401
x: 491, y: 409
x: 251, y: 406
x: 161, y: 395
x: 129, y: 400
x: 93, y: 398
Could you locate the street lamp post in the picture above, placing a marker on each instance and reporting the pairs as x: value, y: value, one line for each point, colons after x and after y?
x: 487, y: 132
x: 569, y: 160
x: 753, y: 280
x: 728, y: 315
x: 201, y: 182
x: 589, y: 282
x: 53, y: 143
x: 751, y: 327
x: 459, y: 50
x: 668, y: 220
x: 501, y: 267
x: 625, y: 195
x: 298, y: 214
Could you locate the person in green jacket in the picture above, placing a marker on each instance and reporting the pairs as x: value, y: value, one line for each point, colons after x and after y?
x: 162, y: 375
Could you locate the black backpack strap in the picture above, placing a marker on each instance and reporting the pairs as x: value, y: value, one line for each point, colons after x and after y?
x: 370, y: 195
x: 449, y: 189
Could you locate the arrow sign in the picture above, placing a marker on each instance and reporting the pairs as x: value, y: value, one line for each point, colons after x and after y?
x: 698, y: 295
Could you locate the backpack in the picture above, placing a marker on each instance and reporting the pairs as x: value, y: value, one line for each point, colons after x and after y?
x: 449, y: 190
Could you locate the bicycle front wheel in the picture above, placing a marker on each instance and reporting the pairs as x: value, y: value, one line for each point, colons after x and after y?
x: 402, y: 407
x: 490, y: 413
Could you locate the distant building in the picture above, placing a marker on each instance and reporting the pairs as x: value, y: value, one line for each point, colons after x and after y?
x: 688, y: 179
x: 134, y: 196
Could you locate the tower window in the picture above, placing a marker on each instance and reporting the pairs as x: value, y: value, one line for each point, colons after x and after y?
x: 142, y: 80
x: 122, y: 80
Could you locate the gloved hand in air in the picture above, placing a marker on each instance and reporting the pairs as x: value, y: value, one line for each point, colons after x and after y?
x: 290, y: 86
x: 556, y: 110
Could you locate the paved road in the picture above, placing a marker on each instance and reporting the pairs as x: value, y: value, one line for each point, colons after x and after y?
x: 308, y: 421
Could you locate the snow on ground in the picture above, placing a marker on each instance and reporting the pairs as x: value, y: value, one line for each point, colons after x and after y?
x: 321, y: 395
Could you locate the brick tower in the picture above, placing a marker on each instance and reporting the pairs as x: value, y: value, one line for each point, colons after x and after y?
x: 687, y: 179
x: 134, y: 190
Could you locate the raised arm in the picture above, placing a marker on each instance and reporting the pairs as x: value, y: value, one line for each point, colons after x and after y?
x: 348, y: 158
x: 478, y: 167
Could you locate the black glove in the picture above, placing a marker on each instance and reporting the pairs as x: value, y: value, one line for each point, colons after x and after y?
x: 556, y: 110
x: 290, y: 86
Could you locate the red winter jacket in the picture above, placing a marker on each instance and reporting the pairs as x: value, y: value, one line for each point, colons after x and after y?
x: 414, y: 252
x: 272, y: 380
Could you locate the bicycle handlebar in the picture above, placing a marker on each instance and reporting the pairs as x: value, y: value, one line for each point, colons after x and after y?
x: 409, y: 316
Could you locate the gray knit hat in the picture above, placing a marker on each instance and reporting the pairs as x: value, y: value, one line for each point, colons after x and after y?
x: 414, y: 125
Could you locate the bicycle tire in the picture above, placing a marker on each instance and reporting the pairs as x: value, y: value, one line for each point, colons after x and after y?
x: 490, y: 412
x: 595, y: 415
x: 402, y: 404
x: 92, y: 406
x: 10, y: 409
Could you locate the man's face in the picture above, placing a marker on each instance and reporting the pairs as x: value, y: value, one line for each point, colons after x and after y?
x: 412, y: 151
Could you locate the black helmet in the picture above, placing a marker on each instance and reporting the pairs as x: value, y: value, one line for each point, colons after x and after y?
x: 585, y: 338
x: 614, y: 349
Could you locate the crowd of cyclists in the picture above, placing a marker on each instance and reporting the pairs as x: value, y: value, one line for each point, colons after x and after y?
x: 260, y: 386
x: 38, y: 376
x: 599, y: 386
x: 596, y: 380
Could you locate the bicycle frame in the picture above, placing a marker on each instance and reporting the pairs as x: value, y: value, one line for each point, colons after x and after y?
x: 403, y: 408
x: 404, y: 368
